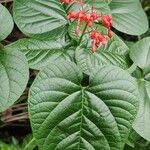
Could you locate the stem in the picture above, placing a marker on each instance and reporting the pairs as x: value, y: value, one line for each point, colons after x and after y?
x: 132, y: 68
x: 83, y: 33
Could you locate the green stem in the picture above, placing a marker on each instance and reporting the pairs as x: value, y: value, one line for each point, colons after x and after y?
x: 83, y: 33
x: 132, y: 68
x: 72, y: 43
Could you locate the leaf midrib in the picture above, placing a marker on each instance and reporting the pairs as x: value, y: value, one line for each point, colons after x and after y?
x: 81, y: 123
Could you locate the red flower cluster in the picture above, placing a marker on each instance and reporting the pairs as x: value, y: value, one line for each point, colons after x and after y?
x: 97, y: 39
x: 81, y: 16
x: 107, y: 23
x: 89, y: 18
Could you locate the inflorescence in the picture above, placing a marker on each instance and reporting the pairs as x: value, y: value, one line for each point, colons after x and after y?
x: 82, y: 16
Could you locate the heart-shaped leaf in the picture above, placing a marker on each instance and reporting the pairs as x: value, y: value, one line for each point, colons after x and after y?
x: 6, y: 23
x: 40, y: 53
x: 40, y: 18
x: 14, y: 75
x: 65, y: 115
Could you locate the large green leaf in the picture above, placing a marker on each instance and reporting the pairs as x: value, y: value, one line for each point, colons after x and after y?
x: 129, y: 17
x: 6, y: 23
x: 142, y: 121
x: 40, y: 18
x: 140, y: 54
x: 40, y: 52
x: 67, y: 116
x: 14, y: 75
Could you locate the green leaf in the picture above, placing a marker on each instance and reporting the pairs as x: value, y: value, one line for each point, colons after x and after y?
x: 142, y: 122
x: 29, y: 143
x: 40, y: 53
x: 40, y: 18
x: 114, y: 53
x: 124, y: 6
x: 129, y: 43
x: 65, y: 115
x: 14, y: 75
x: 101, y: 6
x: 140, y: 54
x: 133, y: 138
x: 72, y: 28
x: 6, y: 23
x: 129, y: 16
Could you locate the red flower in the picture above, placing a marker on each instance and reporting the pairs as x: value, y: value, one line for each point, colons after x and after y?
x: 107, y: 21
x: 92, y: 17
x: 97, y: 39
x: 71, y: 15
x: 109, y: 33
x: 79, y: 16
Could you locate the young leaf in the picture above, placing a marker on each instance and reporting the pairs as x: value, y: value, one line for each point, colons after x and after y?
x: 6, y: 23
x: 14, y: 75
x: 42, y: 18
x: 65, y: 115
x: 40, y: 53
